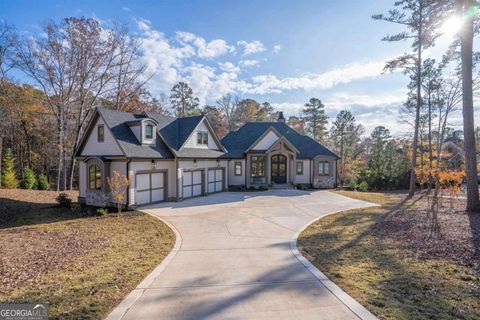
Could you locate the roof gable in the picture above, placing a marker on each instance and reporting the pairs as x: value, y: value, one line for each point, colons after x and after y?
x: 238, y: 142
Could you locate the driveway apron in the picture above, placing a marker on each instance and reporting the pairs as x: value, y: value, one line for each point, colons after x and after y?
x: 236, y: 261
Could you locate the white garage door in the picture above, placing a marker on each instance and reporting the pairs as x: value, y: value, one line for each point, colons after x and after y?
x: 215, y: 180
x: 192, y: 184
x: 150, y: 187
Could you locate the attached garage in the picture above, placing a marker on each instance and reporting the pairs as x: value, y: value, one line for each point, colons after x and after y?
x: 192, y: 183
x: 150, y: 187
x: 216, y: 180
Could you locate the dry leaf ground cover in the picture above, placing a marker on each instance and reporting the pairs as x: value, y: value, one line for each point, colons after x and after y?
x: 81, y: 265
x: 387, y: 259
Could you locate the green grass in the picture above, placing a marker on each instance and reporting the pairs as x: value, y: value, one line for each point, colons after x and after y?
x: 392, y: 282
x: 122, y: 250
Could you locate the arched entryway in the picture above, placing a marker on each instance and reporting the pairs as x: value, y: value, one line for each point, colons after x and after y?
x: 279, y: 168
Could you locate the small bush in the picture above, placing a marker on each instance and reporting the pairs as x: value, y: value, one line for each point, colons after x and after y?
x: 76, y: 207
x: 102, y: 211
x: 363, y: 186
x: 64, y: 200
x: 42, y: 182
x: 29, y: 180
x: 353, y: 185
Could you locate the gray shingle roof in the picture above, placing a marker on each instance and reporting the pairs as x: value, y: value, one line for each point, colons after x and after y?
x: 239, y: 141
x: 132, y: 148
x: 199, y: 153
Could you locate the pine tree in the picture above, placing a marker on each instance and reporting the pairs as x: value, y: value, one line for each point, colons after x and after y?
x: 183, y: 102
x: 420, y: 20
x: 9, y: 178
x: 315, y: 119
x: 43, y: 182
x: 29, y: 180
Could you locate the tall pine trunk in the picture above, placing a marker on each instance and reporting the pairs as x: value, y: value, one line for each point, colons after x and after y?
x: 468, y: 122
x: 418, y: 106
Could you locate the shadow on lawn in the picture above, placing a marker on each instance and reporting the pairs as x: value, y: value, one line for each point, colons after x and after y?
x: 16, y: 213
x: 396, y: 289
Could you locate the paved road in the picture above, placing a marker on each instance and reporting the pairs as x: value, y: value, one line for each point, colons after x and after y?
x: 236, y: 260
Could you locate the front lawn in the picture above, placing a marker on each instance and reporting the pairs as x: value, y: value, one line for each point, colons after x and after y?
x: 81, y: 265
x: 386, y: 258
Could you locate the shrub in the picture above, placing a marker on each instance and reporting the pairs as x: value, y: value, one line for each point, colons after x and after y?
x: 64, y: 200
x: 353, y: 185
x: 363, y: 186
x: 42, y: 182
x: 102, y: 211
x: 29, y: 180
x: 76, y: 207
x: 9, y: 177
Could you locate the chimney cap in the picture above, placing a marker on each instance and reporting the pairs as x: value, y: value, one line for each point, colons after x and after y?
x: 281, y: 118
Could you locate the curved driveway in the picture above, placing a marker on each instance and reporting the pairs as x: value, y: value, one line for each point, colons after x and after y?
x: 237, y: 259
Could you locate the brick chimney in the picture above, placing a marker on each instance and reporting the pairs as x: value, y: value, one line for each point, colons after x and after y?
x: 281, y: 118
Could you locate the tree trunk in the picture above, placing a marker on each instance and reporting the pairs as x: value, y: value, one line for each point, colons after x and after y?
x: 417, y: 109
x: 60, y: 149
x: 1, y: 157
x: 468, y: 114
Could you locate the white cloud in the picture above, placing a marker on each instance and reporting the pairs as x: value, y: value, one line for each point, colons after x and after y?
x: 211, y: 49
x: 126, y: 9
x: 251, y: 47
x: 266, y: 84
x: 277, y: 48
x: 249, y: 63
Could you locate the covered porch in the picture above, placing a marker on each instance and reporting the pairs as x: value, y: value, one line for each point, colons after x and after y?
x: 273, y: 166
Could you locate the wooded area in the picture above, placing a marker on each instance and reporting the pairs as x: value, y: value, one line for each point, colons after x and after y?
x: 77, y: 65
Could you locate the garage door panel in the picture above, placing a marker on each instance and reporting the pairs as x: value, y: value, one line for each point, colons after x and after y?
x: 187, y: 178
x: 197, y: 177
x: 150, y: 187
x: 218, y: 186
x: 158, y: 195
x: 211, y: 187
x: 187, y: 192
x: 211, y: 175
x: 143, y: 197
x: 143, y: 181
x: 157, y: 180
x: 197, y: 190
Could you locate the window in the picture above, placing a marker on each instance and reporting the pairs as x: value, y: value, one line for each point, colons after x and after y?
x: 148, y: 131
x: 324, y: 168
x: 257, y: 166
x: 300, y: 167
x: 202, y: 138
x: 238, y: 168
x: 94, y: 177
x: 100, y: 133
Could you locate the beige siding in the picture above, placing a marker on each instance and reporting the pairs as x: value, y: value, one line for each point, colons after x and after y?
x: 108, y: 147
x: 234, y: 180
x: 267, y: 141
x: 192, y: 141
x: 305, y: 177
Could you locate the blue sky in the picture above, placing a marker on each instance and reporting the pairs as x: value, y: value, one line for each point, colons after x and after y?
x: 284, y: 52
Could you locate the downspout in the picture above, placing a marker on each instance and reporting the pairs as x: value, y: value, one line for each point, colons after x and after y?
x: 176, y: 179
x: 130, y: 185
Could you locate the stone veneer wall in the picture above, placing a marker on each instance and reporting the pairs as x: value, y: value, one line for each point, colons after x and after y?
x: 97, y: 198
x: 324, y: 182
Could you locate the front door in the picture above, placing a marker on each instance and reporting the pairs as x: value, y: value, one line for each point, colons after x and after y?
x: 279, y: 168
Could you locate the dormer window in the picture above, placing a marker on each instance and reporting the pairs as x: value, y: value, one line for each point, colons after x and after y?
x: 202, y: 138
x: 149, y: 131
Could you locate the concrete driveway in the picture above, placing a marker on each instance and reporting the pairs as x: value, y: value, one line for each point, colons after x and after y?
x: 236, y: 258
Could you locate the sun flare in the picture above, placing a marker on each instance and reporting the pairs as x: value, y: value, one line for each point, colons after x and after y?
x: 452, y: 26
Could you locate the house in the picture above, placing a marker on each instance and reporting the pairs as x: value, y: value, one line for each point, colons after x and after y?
x: 169, y: 159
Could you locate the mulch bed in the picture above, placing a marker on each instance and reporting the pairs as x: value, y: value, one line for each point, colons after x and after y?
x: 457, y: 238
